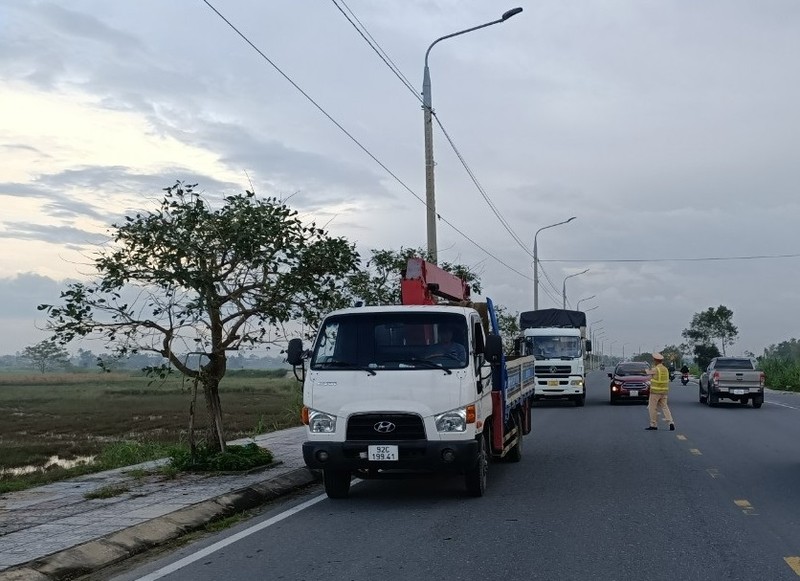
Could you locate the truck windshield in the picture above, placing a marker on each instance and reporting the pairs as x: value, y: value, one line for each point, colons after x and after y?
x: 392, y: 341
x: 554, y: 347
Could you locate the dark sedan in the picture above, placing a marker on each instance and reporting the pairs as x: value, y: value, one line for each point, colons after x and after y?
x: 629, y: 382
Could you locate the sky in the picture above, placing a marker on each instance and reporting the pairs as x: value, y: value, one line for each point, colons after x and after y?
x: 671, y: 130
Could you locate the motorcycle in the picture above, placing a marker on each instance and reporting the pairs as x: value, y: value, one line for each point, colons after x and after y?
x: 684, y: 379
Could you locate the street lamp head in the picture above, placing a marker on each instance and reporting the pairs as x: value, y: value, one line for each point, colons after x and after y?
x: 571, y: 219
x: 509, y: 13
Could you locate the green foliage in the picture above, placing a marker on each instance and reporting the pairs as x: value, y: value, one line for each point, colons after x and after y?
x: 215, y: 279
x: 785, y: 350
x: 781, y: 373
x: 644, y: 357
x: 234, y: 458
x: 109, y: 491
x: 672, y: 355
x: 46, y: 355
x: 711, y: 324
x: 509, y: 328
x: 703, y: 354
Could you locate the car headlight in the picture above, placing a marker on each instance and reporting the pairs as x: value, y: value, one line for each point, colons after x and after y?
x: 321, y: 423
x: 452, y: 421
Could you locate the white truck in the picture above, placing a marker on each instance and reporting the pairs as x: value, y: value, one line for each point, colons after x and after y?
x: 557, y: 339
x: 386, y: 392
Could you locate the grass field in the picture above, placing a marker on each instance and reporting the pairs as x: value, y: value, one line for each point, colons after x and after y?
x: 77, y: 415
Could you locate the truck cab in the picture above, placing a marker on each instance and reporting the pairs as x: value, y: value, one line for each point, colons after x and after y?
x: 556, y: 338
x: 413, y: 387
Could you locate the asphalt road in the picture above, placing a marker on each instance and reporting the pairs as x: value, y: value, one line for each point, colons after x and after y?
x: 595, y: 497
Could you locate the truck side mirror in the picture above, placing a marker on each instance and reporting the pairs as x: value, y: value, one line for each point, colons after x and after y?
x: 494, y: 349
x: 294, y: 352
x: 518, y: 346
x: 611, y: 376
x: 588, y: 346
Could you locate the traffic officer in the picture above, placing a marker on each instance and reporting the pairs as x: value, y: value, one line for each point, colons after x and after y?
x: 659, y: 390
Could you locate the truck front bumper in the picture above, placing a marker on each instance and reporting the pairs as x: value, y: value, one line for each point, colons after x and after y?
x: 422, y: 455
x: 559, y: 388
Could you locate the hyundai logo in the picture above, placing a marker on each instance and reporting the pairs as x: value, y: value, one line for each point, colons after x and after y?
x: 384, y: 427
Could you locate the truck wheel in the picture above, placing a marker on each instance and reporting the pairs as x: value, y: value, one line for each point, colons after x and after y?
x: 580, y: 400
x: 758, y: 401
x: 515, y: 453
x: 336, y: 482
x: 475, y: 478
x: 713, y: 400
x: 702, y: 397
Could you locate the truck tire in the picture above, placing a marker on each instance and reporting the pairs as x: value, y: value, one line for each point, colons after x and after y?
x: 713, y: 399
x: 758, y: 401
x: 580, y: 400
x: 701, y: 397
x: 336, y: 482
x: 476, y: 477
x: 515, y: 453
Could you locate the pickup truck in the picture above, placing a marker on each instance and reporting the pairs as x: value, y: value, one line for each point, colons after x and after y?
x: 734, y: 378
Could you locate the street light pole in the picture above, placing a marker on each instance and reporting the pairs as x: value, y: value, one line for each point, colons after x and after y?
x: 427, y: 107
x: 536, y: 261
x: 564, y: 286
x: 578, y: 306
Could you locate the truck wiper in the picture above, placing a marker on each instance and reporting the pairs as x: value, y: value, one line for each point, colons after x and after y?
x: 347, y: 365
x: 424, y: 362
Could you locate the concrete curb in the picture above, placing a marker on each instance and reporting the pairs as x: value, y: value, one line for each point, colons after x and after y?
x: 116, y: 547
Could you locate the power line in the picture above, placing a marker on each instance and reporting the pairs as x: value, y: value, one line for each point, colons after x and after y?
x: 697, y: 259
x: 354, y: 140
x: 375, y: 46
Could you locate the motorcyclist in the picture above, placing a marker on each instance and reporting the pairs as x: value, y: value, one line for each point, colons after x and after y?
x: 685, y: 369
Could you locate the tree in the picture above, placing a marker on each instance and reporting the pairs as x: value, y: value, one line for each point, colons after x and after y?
x: 46, y: 355
x: 509, y: 328
x: 189, y: 279
x: 703, y: 354
x: 711, y: 324
x: 672, y: 354
x: 378, y: 282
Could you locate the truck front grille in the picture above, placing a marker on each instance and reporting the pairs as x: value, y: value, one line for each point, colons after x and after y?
x: 552, y: 370
x: 378, y: 427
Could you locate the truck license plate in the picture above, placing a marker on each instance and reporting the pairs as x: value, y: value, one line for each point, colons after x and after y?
x: 739, y: 391
x: 553, y: 382
x: 382, y: 453
x: 634, y: 393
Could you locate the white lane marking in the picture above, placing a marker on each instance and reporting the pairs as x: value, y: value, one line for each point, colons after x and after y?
x: 782, y: 405
x: 230, y: 540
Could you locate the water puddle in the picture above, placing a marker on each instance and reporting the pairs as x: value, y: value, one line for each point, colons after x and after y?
x: 51, y: 462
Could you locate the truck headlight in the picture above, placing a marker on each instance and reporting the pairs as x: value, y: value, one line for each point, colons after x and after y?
x: 452, y: 421
x: 577, y: 382
x: 321, y: 423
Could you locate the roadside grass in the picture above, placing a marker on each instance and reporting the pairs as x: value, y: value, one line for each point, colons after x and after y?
x: 122, y: 419
x: 109, y: 491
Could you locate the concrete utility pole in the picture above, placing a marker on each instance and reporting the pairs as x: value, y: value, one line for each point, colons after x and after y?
x: 427, y: 107
x: 536, y: 262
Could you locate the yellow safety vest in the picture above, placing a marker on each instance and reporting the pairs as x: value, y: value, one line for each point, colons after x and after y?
x: 660, y: 381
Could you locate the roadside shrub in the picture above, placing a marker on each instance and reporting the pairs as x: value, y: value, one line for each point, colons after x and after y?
x: 234, y: 459
x: 781, y: 374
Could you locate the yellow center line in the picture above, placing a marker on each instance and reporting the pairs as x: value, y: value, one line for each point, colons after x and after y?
x: 794, y: 563
x: 695, y: 451
x: 743, y: 504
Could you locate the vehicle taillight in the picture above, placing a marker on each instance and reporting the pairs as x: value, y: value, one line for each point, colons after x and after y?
x: 762, y: 380
x: 715, y: 378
